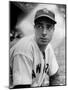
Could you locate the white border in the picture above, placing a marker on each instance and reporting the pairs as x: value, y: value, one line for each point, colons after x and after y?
x: 4, y: 41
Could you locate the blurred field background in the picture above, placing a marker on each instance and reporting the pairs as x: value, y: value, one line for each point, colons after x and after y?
x: 21, y: 24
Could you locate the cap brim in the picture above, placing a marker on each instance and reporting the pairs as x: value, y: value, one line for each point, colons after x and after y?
x: 45, y: 18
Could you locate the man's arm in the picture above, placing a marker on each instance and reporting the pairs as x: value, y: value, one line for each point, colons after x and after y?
x: 55, y: 79
x: 54, y: 68
x: 22, y: 72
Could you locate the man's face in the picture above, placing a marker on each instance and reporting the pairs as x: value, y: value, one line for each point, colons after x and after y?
x: 43, y: 32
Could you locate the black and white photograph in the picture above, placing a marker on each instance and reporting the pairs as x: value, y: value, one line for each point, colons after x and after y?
x: 37, y: 44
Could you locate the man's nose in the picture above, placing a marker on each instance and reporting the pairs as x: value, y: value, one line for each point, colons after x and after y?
x: 44, y: 33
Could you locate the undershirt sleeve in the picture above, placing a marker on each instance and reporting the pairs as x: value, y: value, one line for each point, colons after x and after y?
x: 22, y: 70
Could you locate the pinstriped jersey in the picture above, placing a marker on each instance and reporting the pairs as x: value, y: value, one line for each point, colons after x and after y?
x: 29, y: 65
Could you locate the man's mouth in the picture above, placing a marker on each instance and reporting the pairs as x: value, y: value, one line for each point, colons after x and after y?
x: 44, y: 39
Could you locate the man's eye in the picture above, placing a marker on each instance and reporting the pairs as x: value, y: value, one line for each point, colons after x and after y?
x: 48, y: 26
x: 39, y: 27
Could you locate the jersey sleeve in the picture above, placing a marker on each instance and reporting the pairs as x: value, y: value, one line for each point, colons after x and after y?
x: 22, y: 70
x: 53, y: 65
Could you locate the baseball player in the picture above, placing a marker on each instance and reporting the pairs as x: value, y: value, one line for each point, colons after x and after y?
x: 32, y: 59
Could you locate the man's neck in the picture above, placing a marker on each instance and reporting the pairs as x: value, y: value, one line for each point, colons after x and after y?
x: 42, y: 47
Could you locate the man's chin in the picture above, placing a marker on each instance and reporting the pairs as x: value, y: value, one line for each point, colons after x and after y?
x: 43, y: 43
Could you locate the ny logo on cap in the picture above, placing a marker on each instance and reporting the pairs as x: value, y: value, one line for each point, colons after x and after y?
x: 45, y: 10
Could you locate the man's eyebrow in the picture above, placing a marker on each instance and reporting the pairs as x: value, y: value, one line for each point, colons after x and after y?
x: 40, y: 23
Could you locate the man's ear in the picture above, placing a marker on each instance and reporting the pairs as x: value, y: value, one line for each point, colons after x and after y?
x: 34, y: 26
x: 53, y: 27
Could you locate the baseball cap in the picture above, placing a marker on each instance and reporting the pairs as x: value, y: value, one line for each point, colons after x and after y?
x: 45, y: 14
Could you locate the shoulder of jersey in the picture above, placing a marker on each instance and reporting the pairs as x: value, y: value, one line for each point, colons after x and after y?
x: 24, y: 45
